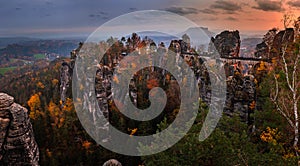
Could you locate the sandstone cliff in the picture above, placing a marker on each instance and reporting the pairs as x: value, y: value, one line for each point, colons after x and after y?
x: 227, y: 44
x: 17, y: 143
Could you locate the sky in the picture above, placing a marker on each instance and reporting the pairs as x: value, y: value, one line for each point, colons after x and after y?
x: 54, y: 18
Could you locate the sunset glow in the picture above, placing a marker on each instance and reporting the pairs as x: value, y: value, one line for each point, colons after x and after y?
x: 71, y: 18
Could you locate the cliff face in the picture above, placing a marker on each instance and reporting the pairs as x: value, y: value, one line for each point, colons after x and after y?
x: 17, y: 143
x: 227, y: 44
x: 240, y: 97
x: 274, y: 42
x: 281, y: 39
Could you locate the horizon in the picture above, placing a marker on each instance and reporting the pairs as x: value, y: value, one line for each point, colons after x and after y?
x: 244, y: 34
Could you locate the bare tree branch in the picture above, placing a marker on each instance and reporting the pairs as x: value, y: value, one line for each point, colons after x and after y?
x: 294, y: 72
x: 286, y: 71
x: 283, y: 114
x: 274, y: 100
x: 286, y: 108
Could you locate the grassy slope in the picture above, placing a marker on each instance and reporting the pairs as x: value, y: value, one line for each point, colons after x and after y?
x: 39, y: 56
x: 6, y: 69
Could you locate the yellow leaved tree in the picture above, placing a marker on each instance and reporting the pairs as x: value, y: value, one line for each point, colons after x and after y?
x: 56, y: 114
x: 34, y: 104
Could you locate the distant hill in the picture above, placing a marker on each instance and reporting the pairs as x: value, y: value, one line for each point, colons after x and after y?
x: 157, y: 37
x: 252, y: 42
x: 27, y: 51
x: 251, y: 35
x: 30, y: 48
x: 4, y: 41
x: 248, y: 46
x: 199, y: 35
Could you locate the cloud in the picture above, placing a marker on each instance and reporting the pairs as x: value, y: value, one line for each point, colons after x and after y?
x: 269, y: 5
x: 256, y: 19
x: 49, y: 3
x: 182, y: 10
x: 92, y: 15
x: 228, y: 6
x: 294, y: 3
x: 231, y: 19
x: 103, y: 13
x: 208, y: 11
x: 133, y: 9
x: 209, y: 19
x: 99, y: 15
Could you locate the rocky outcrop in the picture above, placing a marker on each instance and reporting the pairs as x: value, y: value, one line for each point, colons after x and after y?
x: 240, y: 99
x: 17, y: 143
x: 180, y: 46
x: 280, y: 41
x: 66, y: 72
x: 241, y: 89
x: 112, y: 162
x: 261, y: 50
x: 273, y: 43
x: 227, y: 44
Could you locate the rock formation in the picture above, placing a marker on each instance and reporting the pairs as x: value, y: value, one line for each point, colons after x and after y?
x: 17, y: 143
x: 241, y: 96
x: 274, y: 42
x: 226, y: 44
x: 65, y: 79
x: 280, y: 40
x: 112, y: 162
x: 66, y: 72
x: 262, y: 50
x: 241, y: 89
